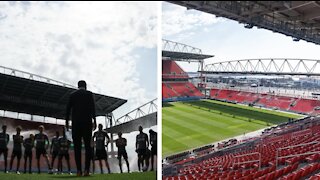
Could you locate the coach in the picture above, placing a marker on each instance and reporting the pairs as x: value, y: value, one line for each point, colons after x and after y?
x: 82, y: 108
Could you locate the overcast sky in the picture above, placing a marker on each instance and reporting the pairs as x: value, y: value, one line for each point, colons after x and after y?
x: 227, y: 39
x: 111, y: 45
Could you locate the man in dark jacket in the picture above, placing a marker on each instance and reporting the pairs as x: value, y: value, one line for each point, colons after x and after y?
x: 4, y: 140
x: 82, y: 108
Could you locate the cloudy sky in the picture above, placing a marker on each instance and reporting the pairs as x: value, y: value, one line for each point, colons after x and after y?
x: 227, y: 39
x: 111, y: 45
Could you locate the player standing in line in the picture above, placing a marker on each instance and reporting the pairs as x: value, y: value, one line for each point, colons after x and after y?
x: 121, y: 143
x: 17, y: 149
x: 142, y: 144
x: 28, y: 145
x: 153, y: 143
x: 101, y: 154
x: 64, y: 146
x: 4, y: 140
x: 54, y: 148
x: 42, y: 143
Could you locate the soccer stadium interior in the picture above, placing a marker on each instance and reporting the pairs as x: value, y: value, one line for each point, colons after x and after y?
x: 287, y: 149
x: 29, y: 100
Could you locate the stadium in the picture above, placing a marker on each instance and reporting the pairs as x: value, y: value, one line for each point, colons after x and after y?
x: 247, y: 118
x: 29, y: 100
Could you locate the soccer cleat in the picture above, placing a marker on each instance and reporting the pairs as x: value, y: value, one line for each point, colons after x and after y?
x: 79, y: 174
x: 86, y: 173
x: 18, y: 172
x: 70, y: 173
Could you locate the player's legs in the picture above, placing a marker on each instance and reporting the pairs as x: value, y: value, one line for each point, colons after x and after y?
x: 68, y: 162
x: 142, y: 160
x: 120, y: 165
x: 30, y: 162
x: 125, y: 157
x: 54, y: 156
x: 100, y: 164
x: 127, y: 162
x: 139, y: 160
x: 60, y: 163
x: 76, y: 136
x: 107, y: 164
x: 38, y: 164
x: 18, y: 161
x: 5, y: 154
x: 25, y: 162
x: 152, y: 162
x: 87, y: 136
x: 47, y: 160
x: 38, y: 155
x: 13, y: 156
x: 93, y: 165
x: 147, y: 159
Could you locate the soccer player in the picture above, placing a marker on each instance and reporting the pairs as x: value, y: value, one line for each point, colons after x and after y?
x: 64, y: 145
x: 42, y: 143
x: 17, y: 149
x: 153, y: 143
x: 28, y: 145
x: 142, y: 144
x: 101, y: 154
x: 4, y: 140
x: 121, y: 143
x: 54, y: 148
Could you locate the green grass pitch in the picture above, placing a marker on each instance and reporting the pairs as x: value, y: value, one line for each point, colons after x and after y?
x: 187, y: 125
x: 124, y: 176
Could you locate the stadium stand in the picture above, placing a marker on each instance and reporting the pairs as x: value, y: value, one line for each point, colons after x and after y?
x: 171, y: 70
x: 285, y: 103
x: 290, y: 151
x: 175, y: 82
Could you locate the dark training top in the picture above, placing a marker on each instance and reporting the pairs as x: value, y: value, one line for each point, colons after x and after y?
x: 17, y: 142
x: 82, y: 108
x: 142, y: 139
x: 121, y: 144
x: 55, y: 144
x: 4, y: 139
x: 64, y: 145
x: 41, y: 140
x: 100, y: 139
x: 28, y: 144
x: 153, y: 139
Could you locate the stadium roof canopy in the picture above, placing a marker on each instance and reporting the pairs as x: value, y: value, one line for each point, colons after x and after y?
x: 23, y: 92
x: 181, y: 52
x: 185, y: 56
x: 298, y: 19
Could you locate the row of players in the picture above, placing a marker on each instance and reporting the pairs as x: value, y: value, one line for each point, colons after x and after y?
x: 60, y: 148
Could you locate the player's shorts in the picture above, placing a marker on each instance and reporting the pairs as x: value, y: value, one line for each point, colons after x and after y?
x: 65, y: 155
x: 17, y: 153
x: 40, y: 152
x: 55, y: 154
x: 122, y: 154
x: 148, y: 154
x: 142, y: 152
x: 153, y: 150
x: 4, y: 151
x: 28, y: 154
x: 101, y: 154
